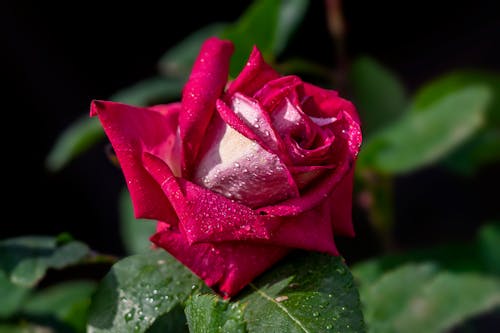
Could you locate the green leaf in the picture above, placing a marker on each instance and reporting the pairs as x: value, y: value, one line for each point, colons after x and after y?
x: 452, y: 82
x: 290, y: 16
x: 86, y: 132
x: 139, y: 290
x: 25, y: 260
x: 76, y: 139
x: 67, y: 303
x: 302, y: 66
x: 448, y: 300
x: 457, y: 257
x: 489, y: 247
x: 482, y: 149
x: 24, y: 328
x: 12, y: 296
x: 257, y: 26
x: 155, y: 90
x: 178, y: 60
x: 384, y: 299
x: 479, y: 256
x: 135, y: 232
x: 308, y: 292
x: 420, y: 298
x: 208, y: 313
x: 421, y: 138
x: 174, y: 321
x: 379, y: 95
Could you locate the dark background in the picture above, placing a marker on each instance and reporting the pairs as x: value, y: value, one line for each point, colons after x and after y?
x: 60, y: 57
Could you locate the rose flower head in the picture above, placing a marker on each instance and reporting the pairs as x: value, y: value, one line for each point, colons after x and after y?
x: 238, y: 173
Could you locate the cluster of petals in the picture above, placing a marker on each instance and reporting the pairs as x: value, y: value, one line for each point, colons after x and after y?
x: 238, y: 173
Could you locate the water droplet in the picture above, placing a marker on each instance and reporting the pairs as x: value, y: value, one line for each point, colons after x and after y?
x: 315, y: 314
x: 329, y: 327
x: 193, y: 286
x: 342, y: 308
x: 156, y: 308
x: 137, y: 328
x: 266, y: 133
x: 155, y: 291
x: 340, y: 270
x: 236, y: 165
x: 330, y: 295
x: 256, y: 125
x: 129, y: 315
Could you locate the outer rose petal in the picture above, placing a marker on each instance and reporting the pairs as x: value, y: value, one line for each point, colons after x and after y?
x: 311, y: 230
x: 132, y: 131
x: 326, y: 103
x: 205, y: 85
x: 227, y: 267
x: 254, y: 75
x: 340, y: 202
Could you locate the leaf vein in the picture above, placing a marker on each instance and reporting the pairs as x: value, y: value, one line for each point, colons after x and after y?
x: 280, y: 306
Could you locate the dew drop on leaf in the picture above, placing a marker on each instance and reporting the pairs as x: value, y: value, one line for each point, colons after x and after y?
x: 129, y: 315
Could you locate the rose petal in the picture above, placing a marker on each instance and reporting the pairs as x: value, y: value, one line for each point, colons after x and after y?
x: 132, y: 131
x: 254, y: 75
x: 274, y: 92
x: 319, y: 102
x: 341, y: 206
x: 205, y: 215
x: 254, y: 124
x: 227, y: 267
x: 311, y: 197
x: 205, y: 85
x: 311, y: 230
x: 237, y: 167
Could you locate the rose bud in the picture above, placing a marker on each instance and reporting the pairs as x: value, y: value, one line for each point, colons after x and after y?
x: 238, y: 173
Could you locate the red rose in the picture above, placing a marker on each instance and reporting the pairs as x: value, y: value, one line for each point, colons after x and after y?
x: 238, y: 174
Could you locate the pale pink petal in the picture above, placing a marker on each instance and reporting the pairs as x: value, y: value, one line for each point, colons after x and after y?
x: 254, y: 75
x: 205, y: 215
x: 227, y: 267
x: 205, y: 85
x: 132, y: 131
x: 237, y: 168
x: 253, y: 124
